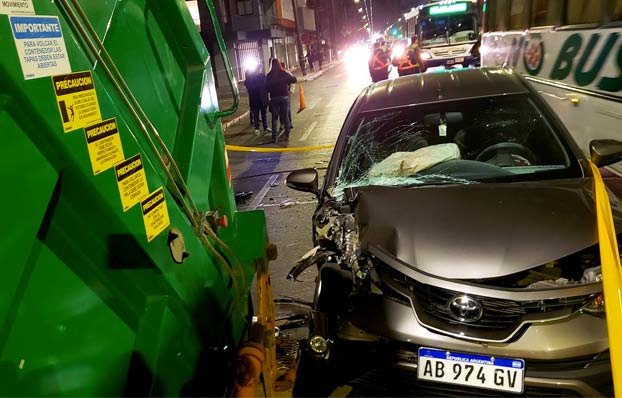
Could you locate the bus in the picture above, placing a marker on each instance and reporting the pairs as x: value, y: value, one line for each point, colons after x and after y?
x: 448, y: 33
x: 570, y: 51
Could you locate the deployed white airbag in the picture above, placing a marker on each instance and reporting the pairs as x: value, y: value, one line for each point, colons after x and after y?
x: 404, y: 164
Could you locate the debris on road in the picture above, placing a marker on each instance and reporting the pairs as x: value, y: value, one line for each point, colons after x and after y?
x: 240, y: 196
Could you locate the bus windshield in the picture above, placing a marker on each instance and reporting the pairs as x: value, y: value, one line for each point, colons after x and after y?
x: 450, y: 29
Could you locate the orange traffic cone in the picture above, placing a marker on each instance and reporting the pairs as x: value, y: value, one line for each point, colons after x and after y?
x: 303, y: 104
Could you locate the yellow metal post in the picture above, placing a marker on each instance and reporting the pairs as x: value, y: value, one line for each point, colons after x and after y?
x: 266, y: 318
x: 612, y: 277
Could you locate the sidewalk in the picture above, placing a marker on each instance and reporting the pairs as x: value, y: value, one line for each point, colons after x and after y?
x: 242, y: 114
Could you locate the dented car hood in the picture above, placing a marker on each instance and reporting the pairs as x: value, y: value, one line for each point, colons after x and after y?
x: 478, y: 231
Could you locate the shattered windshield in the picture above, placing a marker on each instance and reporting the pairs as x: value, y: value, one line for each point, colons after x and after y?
x: 497, y: 139
x: 452, y: 29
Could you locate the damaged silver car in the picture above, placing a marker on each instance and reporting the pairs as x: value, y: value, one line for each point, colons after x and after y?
x: 456, y: 246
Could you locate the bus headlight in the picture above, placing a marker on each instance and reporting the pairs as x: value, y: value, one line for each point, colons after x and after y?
x: 425, y: 55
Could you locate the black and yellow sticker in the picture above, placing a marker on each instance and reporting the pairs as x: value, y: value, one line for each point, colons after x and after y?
x: 104, y: 144
x: 155, y: 214
x: 77, y: 100
x: 132, y: 181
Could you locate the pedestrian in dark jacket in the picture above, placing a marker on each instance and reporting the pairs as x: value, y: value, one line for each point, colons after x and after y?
x: 277, y: 82
x: 289, y: 101
x: 311, y: 56
x: 257, y: 98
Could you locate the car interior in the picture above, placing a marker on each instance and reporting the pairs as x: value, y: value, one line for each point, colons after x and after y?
x: 497, y: 136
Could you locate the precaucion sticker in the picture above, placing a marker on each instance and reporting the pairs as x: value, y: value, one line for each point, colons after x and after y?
x: 104, y: 145
x: 16, y: 7
x: 77, y: 100
x: 40, y: 45
x: 132, y: 181
x: 155, y: 214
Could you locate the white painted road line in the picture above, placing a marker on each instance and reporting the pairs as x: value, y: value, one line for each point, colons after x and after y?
x: 309, y: 130
x: 262, y: 193
x: 314, y: 104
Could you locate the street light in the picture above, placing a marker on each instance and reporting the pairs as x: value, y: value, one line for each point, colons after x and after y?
x: 360, y: 9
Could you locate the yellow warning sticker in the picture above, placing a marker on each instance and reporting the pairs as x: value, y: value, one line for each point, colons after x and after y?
x: 77, y: 100
x: 104, y: 145
x: 155, y: 214
x: 132, y: 181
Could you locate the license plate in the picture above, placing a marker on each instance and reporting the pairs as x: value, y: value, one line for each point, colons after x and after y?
x: 459, y: 60
x: 473, y: 370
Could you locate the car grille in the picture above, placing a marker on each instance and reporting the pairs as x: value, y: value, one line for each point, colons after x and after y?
x: 571, y: 364
x: 448, y: 53
x: 500, y: 317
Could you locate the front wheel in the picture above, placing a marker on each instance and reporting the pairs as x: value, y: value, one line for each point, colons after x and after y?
x: 315, y: 377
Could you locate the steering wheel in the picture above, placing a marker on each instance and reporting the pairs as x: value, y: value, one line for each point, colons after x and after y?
x: 502, y: 153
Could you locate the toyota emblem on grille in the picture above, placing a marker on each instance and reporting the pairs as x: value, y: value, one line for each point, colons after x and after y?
x: 464, y: 309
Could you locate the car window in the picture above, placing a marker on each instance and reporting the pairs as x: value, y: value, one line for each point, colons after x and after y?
x: 497, y: 139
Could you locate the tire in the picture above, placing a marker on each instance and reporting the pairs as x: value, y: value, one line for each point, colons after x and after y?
x: 314, y: 377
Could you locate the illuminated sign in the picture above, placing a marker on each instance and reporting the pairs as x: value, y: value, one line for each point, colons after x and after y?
x: 448, y: 9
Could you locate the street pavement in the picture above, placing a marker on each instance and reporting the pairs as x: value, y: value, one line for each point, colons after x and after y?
x: 328, y: 96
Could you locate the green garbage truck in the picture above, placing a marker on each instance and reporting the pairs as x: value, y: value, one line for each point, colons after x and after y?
x: 126, y: 268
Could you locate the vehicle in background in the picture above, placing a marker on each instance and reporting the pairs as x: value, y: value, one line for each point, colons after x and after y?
x: 448, y: 33
x: 455, y: 243
x: 570, y: 51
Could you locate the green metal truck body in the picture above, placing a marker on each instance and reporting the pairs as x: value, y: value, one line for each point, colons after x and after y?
x: 89, y: 305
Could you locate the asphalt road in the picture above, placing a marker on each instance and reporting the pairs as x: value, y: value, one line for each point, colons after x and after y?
x: 288, y: 212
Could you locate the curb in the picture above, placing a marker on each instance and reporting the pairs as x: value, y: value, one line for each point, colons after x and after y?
x: 235, y: 120
x: 319, y: 73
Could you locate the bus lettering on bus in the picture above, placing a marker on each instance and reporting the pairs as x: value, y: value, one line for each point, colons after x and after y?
x: 570, y: 51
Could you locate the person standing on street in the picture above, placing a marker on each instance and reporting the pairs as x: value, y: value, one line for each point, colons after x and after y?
x: 320, y: 56
x: 379, y: 64
x: 257, y: 98
x: 277, y: 83
x: 410, y: 64
x: 290, y: 91
x: 310, y: 56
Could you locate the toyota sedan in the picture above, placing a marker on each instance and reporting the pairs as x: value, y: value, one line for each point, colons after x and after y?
x: 456, y: 246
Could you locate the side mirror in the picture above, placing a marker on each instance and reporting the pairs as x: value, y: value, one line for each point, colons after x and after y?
x: 605, y: 152
x: 304, y: 180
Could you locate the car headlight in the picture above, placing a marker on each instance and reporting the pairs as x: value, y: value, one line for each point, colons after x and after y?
x: 596, y: 307
x: 426, y: 55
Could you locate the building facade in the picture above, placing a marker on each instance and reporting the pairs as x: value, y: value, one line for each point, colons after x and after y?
x: 256, y: 31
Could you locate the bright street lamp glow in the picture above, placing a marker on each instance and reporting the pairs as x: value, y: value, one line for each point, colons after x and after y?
x: 361, y: 9
x: 251, y: 64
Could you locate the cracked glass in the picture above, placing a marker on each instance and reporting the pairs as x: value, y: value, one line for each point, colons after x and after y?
x: 497, y: 139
